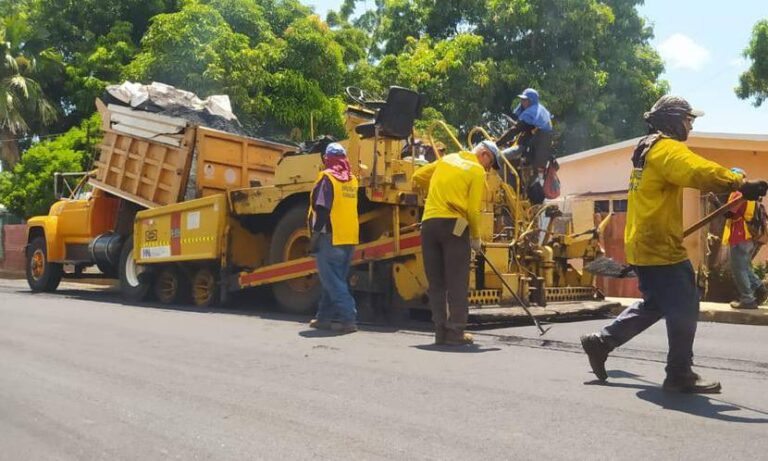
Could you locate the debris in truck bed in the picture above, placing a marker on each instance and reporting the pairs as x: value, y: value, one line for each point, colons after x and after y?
x: 214, y: 112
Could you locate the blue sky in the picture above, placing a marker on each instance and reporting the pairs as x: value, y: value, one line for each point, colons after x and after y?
x: 702, y: 46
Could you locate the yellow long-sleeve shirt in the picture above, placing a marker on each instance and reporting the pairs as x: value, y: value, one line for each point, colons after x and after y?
x: 654, y: 230
x: 455, y: 185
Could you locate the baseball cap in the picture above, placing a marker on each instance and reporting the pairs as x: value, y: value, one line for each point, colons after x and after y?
x: 335, y: 148
x: 491, y: 146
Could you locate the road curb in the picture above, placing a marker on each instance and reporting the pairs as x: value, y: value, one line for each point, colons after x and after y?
x: 714, y: 312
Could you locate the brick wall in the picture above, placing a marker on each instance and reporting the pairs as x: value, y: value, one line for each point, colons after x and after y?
x: 14, y: 240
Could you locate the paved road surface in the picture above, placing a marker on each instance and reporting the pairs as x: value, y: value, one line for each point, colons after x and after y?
x: 83, y: 376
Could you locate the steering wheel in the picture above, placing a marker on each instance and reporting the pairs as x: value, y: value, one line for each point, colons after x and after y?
x: 357, y: 95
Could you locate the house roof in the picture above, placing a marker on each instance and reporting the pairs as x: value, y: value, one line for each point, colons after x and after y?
x: 735, y: 141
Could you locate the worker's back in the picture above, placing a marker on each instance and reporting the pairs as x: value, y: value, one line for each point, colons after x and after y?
x: 449, y: 187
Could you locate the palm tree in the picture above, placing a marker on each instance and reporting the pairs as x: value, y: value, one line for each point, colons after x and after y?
x: 22, y: 101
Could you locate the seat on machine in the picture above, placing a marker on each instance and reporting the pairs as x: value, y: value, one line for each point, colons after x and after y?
x: 396, y: 117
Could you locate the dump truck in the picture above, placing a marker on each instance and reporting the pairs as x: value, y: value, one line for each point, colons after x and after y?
x: 189, y: 214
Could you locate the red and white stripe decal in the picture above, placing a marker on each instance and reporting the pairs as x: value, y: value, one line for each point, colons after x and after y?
x: 176, y: 233
x: 362, y: 254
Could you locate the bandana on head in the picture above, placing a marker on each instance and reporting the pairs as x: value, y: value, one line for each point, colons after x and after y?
x: 338, y: 167
x: 336, y: 163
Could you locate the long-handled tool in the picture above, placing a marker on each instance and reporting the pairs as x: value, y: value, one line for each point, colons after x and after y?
x: 607, y: 267
x: 514, y: 294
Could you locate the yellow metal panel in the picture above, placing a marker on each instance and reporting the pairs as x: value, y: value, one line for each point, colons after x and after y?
x: 185, y: 231
x: 245, y: 248
x: 410, y: 279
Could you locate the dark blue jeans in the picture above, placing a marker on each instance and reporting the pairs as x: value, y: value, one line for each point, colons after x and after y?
x: 669, y: 292
x: 336, y: 302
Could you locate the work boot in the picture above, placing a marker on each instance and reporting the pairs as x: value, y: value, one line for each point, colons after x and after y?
x: 464, y: 339
x: 743, y: 305
x: 320, y: 324
x: 761, y: 294
x: 691, y: 383
x: 597, y: 352
x: 346, y: 328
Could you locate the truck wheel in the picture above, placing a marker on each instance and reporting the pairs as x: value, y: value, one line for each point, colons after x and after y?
x: 205, y: 288
x: 291, y: 241
x: 42, y: 275
x: 133, y: 287
x: 172, y: 286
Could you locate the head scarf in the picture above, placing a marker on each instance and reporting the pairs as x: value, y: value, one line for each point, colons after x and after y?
x: 336, y: 163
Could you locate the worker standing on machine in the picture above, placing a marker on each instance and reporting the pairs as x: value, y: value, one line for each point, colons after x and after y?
x: 450, y: 230
x: 334, y: 225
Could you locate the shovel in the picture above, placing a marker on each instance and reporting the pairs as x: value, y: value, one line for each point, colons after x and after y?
x: 524, y: 305
x: 607, y: 267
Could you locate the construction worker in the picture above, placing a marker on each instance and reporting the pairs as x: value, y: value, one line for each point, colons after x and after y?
x: 450, y: 229
x: 752, y: 291
x: 335, y: 228
x: 653, y: 239
x: 533, y: 122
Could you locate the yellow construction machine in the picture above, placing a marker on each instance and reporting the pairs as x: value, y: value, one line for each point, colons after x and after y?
x: 248, y: 233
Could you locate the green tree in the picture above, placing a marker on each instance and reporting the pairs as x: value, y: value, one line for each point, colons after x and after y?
x: 591, y: 60
x: 277, y: 85
x: 27, y: 190
x: 93, y: 38
x: 753, y: 84
x: 23, y: 103
x: 452, y: 74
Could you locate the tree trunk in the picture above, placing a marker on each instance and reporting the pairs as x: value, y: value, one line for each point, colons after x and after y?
x: 9, y: 148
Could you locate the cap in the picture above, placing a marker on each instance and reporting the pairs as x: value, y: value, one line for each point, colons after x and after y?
x: 335, y: 148
x: 676, y: 103
x: 491, y: 146
x: 529, y: 93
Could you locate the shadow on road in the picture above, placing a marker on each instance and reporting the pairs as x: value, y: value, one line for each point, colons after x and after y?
x: 693, y: 404
x: 470, y: 349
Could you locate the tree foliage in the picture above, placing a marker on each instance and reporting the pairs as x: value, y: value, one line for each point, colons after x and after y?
x: 23, y: 104
x: 753, y: 84
x: 27, y: 189
x: 285, y: 69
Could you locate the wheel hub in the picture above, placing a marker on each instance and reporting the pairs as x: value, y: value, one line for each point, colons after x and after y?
x: 37, y: 264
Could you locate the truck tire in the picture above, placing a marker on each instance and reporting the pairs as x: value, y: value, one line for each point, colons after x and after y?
x: 42, y: 275
x: 133, y: 287
x: 291, y: 241
x: 204, y: 288
x: 172, y: 286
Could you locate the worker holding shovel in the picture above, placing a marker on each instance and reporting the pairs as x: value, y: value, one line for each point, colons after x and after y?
x: 450, y: 228
x: 662, y: 166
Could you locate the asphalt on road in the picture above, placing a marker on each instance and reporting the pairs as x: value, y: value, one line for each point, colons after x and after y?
x: 83, y: 376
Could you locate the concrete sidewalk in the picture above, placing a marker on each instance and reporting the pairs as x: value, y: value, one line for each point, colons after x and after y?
x: 715, y: 312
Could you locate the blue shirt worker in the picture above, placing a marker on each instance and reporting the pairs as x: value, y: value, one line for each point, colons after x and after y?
x: 653, y: 242
x: 529, y: 117
x: 450, y: 229
x: 335, y: 228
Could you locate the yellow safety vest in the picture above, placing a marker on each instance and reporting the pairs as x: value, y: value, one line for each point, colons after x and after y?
x: 344, y: 221
x: 749, y: 212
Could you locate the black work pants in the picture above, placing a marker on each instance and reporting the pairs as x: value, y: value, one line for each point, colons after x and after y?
x: 446, y: 262
x: 669, y: 292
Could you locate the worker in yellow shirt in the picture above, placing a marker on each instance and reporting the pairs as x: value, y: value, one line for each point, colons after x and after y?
x: 450, y: 230
x: 653, y: 241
